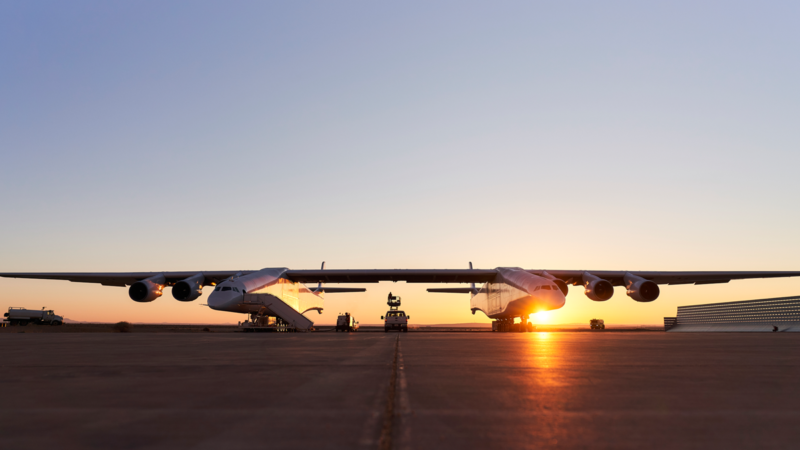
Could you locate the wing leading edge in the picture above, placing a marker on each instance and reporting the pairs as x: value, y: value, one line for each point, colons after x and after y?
x: 573, y: 277
x: 615, y: 277
x: 125, y: 278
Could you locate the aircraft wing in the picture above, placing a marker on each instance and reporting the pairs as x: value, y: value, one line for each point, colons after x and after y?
x: 341, y: 290
x: 465, y: 290
x: 574, y: 277
x: 407, y: 275
x: 124, y: 278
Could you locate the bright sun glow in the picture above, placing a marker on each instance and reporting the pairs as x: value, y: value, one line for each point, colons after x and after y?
x: 540, y: 317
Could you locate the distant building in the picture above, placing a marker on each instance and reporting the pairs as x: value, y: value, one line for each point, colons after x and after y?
x: 766, y: 315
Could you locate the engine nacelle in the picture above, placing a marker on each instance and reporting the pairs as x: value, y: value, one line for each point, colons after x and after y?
x: 188, y: 289
x: 640, y: 289
x: 597, y: 289
x: 148, y: 289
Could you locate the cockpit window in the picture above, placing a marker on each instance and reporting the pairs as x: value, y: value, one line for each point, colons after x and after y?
x: 217, y: 288
x: 537, y: 288
x: 236, y: 289
x: 226, y: 288
x: 546, y: 287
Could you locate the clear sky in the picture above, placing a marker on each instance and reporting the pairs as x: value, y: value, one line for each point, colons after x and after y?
x: 159, y: 135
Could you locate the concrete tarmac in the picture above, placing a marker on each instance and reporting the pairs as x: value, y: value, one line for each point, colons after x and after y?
x: 401, y: 391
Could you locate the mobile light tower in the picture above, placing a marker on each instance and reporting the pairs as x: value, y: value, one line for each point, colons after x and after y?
x: 393, y: 302
x: 395, y: 319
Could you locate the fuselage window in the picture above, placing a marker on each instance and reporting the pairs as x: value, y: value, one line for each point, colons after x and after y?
x: 226, y: 288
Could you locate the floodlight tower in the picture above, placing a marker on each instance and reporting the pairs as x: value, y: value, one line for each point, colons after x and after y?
x: 393, y: 302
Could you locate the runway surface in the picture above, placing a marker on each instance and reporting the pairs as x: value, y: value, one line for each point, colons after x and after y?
x: 402, y: 391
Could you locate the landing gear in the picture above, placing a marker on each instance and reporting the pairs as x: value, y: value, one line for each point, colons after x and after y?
x: 508, y: 325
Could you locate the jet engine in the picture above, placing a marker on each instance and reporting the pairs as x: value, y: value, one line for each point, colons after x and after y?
x: 640, y: 289
x: 597, y: 289
x: 148, y: 289
x: 188, y: 289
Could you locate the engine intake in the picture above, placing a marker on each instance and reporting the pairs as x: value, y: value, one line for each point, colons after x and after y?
x: 640, y: 289
x: 189, y: 289
x: 148, y: 289
x: 597, y: 289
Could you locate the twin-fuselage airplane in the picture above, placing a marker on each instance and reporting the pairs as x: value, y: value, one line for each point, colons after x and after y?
x: 507, y: 292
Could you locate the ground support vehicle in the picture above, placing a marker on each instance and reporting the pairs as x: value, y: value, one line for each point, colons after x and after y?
x: 22, y: 317
x: 346, y: 322
x: 395, y: 319
x: 597, y: 324
x: 263, y: 323
x: 268, y: 313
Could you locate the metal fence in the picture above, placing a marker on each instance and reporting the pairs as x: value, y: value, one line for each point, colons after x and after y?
x: 784, y: 309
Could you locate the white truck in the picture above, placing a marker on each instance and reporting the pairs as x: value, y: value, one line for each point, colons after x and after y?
x: 395, y: 320
x: 346, y: 322
x: 22, y: 317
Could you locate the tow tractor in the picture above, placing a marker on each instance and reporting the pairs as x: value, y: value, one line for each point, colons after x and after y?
x: 597, y: 324
x: 395, y: 319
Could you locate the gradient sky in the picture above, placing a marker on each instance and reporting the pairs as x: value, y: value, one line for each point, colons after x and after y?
x: 156, y: 135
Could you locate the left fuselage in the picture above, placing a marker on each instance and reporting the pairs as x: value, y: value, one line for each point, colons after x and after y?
x: 229, y: 295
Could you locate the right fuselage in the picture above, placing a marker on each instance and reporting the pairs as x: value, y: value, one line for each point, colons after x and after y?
x: 517, y: 293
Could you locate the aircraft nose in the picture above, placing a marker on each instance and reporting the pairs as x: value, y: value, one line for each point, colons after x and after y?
x: 221, y: 300
x: 214, y: 302
x: 559, y: 298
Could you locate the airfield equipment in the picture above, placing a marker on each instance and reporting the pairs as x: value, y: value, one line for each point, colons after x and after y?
x: 597, y: 324
x: 395, y: 319
x: 22, y: 317
x: 346, y: 322
x: 261, y: 322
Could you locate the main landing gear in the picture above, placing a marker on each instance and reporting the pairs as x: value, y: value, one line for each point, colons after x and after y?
x: 508, y: 325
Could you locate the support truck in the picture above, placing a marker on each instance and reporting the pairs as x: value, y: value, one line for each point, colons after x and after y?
x: 21, y: 316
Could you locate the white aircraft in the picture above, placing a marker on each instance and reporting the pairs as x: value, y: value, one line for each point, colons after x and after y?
x: 507, y: 292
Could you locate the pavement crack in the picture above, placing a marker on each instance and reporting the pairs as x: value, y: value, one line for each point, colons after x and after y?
x: 385, y: 442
